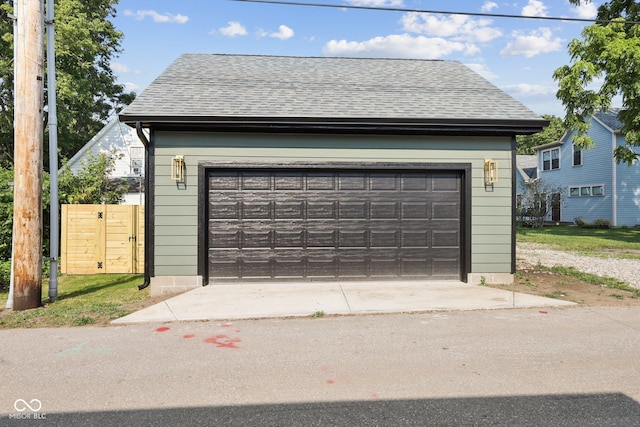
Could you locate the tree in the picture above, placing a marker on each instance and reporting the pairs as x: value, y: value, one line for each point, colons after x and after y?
x: 552, y: 133
x: 535, y: 202
x: 92, y: 184
x: 609, y: 51
x: 86, y: 41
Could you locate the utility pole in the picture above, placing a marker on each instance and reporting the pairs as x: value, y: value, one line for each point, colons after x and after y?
x: 28, y: 142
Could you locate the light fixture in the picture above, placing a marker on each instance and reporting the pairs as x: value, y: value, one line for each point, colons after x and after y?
x: 177, y: 168
x: 490, y: 172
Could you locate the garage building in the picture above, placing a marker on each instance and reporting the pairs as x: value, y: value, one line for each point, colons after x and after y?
x: 267, y: 168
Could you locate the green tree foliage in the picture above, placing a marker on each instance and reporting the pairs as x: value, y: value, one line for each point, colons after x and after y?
x: 91, y: 185
x: 6, y: 79
x: 87, y: 94
x: 608, y: 52
x: 553, y: 132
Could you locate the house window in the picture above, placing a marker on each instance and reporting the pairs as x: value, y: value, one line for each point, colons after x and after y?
x: 586, y: 191
x: 551, y: 159
x: 577, y: 156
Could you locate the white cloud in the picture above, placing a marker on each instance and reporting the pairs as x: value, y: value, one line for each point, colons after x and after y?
x: 459, y: 27
x: 532, y: 44
x: 157, y: 17
x: 488, y: 6
x: 534, y: 8
x: 398, y: 46
x: 283, y: 33
x: 527, y: 89
x: 233, y: 29
x: 131, y: 87
x: 483, y: 70
x: 586, y: 10
x: 376, y: 3
x: 118, y: 67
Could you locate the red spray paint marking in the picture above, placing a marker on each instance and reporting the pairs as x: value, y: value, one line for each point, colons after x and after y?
x: 331, y: 382
x: 542, y: 312
x: 189, y: 336
x: 162, y: 329
x: 226, y: 325
x: 374, y: 395
x: 223, y: 341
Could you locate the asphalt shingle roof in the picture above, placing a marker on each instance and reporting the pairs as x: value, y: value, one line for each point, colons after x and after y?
x: 252, y: 86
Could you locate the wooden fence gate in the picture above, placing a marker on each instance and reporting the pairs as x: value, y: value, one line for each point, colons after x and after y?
x: 102, y: 239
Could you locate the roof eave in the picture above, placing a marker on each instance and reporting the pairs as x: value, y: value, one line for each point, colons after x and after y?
x: 305, y: 124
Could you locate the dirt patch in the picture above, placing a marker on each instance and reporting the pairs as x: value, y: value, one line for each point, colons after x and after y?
x: 539, y: 281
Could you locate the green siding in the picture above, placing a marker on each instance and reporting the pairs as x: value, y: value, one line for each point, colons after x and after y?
x: 176, y: 206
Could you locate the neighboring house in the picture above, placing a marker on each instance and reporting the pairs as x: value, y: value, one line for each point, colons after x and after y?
x: 591, y: 184
x: 526, y: 170
x: 120, y: 140
x: 298, y: 168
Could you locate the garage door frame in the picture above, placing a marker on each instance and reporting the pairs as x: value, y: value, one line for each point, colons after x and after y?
x: 204, y: 167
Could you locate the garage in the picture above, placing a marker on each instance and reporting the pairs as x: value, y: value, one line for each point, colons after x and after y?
x: 330, y: 224
x: 271, y: 168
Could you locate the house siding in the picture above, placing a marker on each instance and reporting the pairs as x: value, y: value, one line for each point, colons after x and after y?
x: 627, y: 191
x: 594, y: 170
x: 176, y: 206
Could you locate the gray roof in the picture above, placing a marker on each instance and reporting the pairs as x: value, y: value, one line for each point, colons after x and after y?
x: 610, y: 119
x: 201, y: 87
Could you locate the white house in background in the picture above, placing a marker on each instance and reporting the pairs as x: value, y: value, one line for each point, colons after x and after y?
x: 122, y: 139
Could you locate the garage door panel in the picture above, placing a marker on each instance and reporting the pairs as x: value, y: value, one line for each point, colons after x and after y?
x: 255, y: 181
x: 414, y: 182
x: 352, y: 181
x: 322, y: 239
x: 321, y: 211
x: 289, y: 239
x: 445, y: 239
x: 383, y: 182
x: 352, y: 210
x: 293, y: 210
x: 415, y: 210
x: 445, y: 182
x: 445, y: 210
x: 383, y: 238
x: 266, y: 224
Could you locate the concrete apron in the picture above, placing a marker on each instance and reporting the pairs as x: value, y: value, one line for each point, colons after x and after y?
x: 269, y: 300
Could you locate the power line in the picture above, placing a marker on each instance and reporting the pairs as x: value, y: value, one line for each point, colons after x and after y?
x: 441, y: 12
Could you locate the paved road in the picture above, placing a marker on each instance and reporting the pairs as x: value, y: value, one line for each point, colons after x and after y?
x: 572, y: 366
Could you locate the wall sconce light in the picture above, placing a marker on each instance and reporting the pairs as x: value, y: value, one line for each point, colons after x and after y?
x: 490, y: 172
x: 177, y: 168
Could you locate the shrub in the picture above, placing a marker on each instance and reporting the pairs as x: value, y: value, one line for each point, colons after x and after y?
x: 5, y: 275
x: 600, y: 223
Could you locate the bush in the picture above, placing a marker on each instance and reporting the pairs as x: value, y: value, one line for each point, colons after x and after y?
x: 5, y: 275
x: 599, y: 223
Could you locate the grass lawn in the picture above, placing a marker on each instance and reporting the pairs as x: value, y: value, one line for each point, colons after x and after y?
x: 621, y: 242
x: 82, y: 300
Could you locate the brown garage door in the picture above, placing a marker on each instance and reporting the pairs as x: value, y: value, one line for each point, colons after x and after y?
x: 328, y: 224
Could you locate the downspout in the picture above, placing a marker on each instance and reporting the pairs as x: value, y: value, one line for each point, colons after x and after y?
x: 145, y: 142
x: 614, y: 183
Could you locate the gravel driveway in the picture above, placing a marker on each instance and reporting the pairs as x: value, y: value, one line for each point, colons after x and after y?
x: 627, y: 270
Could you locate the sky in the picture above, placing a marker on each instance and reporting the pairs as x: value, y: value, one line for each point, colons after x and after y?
x: 517, y: 55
